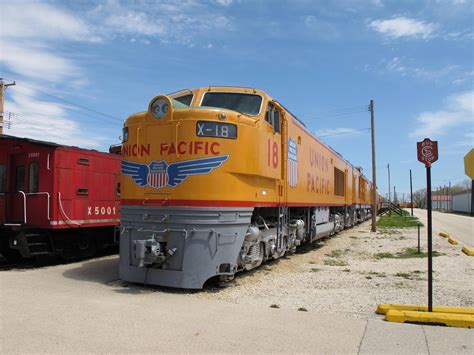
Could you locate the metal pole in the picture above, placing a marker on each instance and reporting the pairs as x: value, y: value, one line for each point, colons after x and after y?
x: 430, y: 245
x: 411, y: 195
x: 2, y: 90
x: 374, y: 170
x: 419, y: 251
x: 472, y: 198
x: 389, y: 200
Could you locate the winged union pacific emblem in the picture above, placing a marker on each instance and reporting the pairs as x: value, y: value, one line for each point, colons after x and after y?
x: 159, y: 174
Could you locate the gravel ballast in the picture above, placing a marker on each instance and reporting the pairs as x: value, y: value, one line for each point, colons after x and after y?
x: 355, y: 271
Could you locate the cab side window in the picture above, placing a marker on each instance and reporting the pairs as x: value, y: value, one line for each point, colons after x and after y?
x: 33, y: 180
x: 186, y: 99
x: 272, y: 116
x: 20, y: 178
x: 3, y: 178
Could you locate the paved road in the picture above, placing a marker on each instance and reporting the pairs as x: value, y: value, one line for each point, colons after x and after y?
x: 81, y: 307
x: 460, y: 227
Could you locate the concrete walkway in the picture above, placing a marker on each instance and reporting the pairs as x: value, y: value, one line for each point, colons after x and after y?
x: 81, y: 307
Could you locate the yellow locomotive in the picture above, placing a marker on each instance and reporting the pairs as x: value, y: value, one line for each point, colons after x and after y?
x: 217, y: 180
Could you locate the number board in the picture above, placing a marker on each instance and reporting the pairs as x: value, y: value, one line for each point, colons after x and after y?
x: 216, y: 129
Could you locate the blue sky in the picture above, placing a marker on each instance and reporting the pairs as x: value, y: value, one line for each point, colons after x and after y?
x: 414, y: 58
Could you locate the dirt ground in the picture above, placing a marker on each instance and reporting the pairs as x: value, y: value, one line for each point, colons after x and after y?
x: 355, y: 271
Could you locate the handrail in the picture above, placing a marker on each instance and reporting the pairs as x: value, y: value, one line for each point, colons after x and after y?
x: 31, y: 194
x: 64, y: 213
x: 24, y: 206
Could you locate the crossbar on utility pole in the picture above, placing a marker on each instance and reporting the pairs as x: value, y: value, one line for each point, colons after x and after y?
x: 3, y: 86
x: 374, y: 171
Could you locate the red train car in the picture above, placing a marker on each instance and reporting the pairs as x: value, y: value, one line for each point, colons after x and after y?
x: 56, y: 200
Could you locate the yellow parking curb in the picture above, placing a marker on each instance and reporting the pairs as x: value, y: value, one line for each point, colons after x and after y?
x: 452, y: 241
x: 449, y: 319
x: 384, y: 308
x: 444, y: 234
x: 468, y: 251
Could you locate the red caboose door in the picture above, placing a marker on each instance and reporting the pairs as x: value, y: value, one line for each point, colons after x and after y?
x: 17, y: 188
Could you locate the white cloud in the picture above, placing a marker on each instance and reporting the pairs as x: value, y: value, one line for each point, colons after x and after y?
x: 38, y: 62
x: 36, y: 20
x: 403, y: 66
x: 403, y: 27
x: 166, y: 21
x: 45, y: 121
x: 457, y: 111
x: 224, y: 2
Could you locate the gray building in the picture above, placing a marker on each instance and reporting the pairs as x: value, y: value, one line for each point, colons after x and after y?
x: 462, y: 201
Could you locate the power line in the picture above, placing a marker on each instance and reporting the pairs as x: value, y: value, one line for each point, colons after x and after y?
x: 25, y: 119
x: 70, y: 102
x: 31, y: 115
x: 342, y: 110
x: 66, y: 107
x: 346, y: 132
x: 331, y: 116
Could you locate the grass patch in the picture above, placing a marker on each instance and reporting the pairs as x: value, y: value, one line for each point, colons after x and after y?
x: 387, y: 230
x: 274, y: 305
x: 377, y: 274
x: 384, y: 255
x: 336, y: 253
x: 406, y: 253
x: 312, y: 262
x: 335, y: 262
x: 397, y: 221
x: 302, y: 309
x: 315, y: 269
x: 412, y: 275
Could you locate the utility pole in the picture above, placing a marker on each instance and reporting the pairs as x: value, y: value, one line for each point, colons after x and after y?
x: 3, y: 86
x: 374, y: 171
x: 389, y: 200
x: 411, y: 195
x: 394, y: 195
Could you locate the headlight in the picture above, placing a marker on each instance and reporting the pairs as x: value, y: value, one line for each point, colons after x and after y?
x: 124, y: 134
x: 159, y: 108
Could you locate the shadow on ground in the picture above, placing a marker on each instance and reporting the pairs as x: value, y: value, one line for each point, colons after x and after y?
x: 105, y: 271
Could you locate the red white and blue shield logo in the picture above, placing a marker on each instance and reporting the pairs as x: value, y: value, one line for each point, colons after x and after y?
x: 157, y: 176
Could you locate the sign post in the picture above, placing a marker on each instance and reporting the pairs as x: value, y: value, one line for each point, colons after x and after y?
x: 469, y: 169
x: 428, y: 154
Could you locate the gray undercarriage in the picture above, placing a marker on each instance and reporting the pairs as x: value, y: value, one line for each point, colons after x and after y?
x: 183, y: 247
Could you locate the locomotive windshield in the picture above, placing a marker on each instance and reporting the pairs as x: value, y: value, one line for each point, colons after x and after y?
x: 245, y: 103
